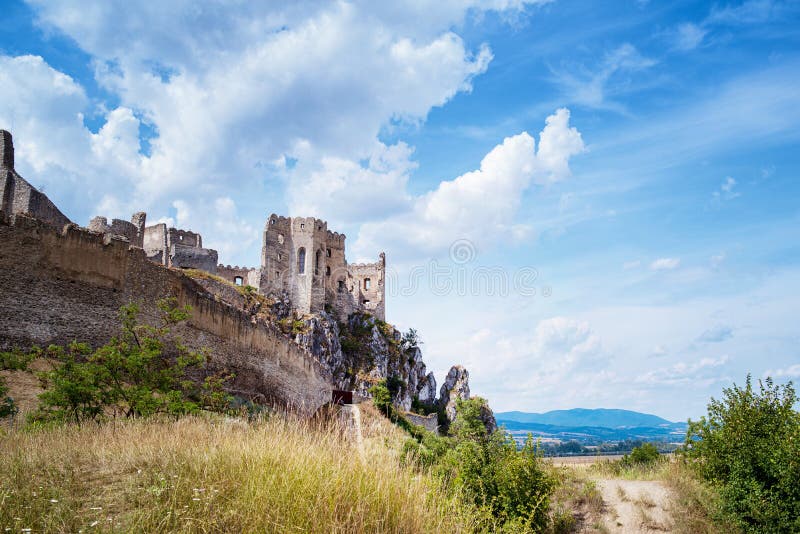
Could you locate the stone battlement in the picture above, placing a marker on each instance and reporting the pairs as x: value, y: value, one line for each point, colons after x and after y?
x: 87, y: 276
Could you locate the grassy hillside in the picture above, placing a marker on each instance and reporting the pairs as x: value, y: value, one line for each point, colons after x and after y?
x: 214, y: 474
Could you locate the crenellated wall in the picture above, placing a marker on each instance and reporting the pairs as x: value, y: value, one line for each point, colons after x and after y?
x: 59, y: 286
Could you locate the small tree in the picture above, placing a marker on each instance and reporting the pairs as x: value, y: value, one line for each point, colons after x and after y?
x: 410, y: 340
x: 143, y: 371
x: 749, y: 446
x: 382, y: 398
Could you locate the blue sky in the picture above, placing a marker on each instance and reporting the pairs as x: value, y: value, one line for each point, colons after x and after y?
x: 605, y: 193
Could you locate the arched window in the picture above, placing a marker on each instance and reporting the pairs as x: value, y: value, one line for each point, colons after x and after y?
x: 341, y: 286
x: 367, y: 283
x: 238, y: 280
x: 327, y: 270
x: 317, y: 258
x: 301, y: 260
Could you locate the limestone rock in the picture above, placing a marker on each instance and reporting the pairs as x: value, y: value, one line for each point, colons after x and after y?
x: 487, y: 417
x: 427, y: 390
x: 455, y: 387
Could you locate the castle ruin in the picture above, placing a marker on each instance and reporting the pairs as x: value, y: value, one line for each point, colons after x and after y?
x: 301, y: 260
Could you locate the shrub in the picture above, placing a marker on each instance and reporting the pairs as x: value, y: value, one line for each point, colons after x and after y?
x: 7, y: 406
x: 749, y: 447
x: 646, y: 454
x: 145, y: 370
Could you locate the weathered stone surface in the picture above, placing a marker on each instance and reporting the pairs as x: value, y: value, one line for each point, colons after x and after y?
x: 428, y: 422
x: 61, y: 286
x: 455, y: 387
x: 427, y: 390
x: 17, y: 196
x: 488, y: 419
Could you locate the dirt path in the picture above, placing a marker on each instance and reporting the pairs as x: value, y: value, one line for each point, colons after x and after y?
x: 635, y: 506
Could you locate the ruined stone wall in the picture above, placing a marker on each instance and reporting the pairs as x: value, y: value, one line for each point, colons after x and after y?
x: 56, y: 287
x: 243, y: 276
x: 368, y: 287
x: 184, y: 238
x: 155, y: 243
x: 118, y: 227
x: 294, y: 260
x: 428, y: 422
x: 178, y: 248
x: 17, y: 195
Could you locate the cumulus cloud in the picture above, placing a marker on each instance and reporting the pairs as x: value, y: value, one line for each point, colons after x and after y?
x: 665, y: 264
x: 228, y: 95
x: 480, y: 205
x: 55, y: 151
x: 561, y: 357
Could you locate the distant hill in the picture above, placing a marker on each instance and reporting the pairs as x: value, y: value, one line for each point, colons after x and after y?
x: 581, y: 417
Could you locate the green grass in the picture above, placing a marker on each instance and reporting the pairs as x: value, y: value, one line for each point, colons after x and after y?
x: 213, y: 474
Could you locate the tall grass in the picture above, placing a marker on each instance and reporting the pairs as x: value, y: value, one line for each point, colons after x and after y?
x: 212, y: 474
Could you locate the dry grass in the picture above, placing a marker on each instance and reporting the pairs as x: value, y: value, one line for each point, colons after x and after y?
x: 576, y: 504
x: 695, y: 505
x: 209, y: 474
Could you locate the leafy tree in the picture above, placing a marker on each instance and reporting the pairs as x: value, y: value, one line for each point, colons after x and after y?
x: 382, y: 398
x: 410, y: 340
x: 749, y: 447
x: 143, y: 371
x: 645, y: 454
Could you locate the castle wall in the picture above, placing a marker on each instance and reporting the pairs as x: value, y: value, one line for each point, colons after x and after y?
x: 246, y: 275
x: 177, y: 248
x: 56, y: 287
x: 128, y: 230
x: 155, y: 243
x: 325, y: 278
x: 18, y: 196
x: 368, y: 287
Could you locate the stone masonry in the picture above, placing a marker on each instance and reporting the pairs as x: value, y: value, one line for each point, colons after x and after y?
x: 301, y: 258
x: 17, y: 196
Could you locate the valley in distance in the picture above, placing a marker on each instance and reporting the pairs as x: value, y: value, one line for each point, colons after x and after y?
x: 599, y: 431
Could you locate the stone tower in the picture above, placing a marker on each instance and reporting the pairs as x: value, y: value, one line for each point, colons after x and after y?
x: 6, y: 150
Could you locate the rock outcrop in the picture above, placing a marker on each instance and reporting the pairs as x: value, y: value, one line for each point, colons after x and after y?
x: 455, y: 387
x: 363, y: 351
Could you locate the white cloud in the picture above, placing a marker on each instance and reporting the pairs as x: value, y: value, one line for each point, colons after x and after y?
x: 793, y: 371
x: 596, y: 86
x: 688, y: 36
x: 726, y: 190
x: 561, y: 357
x: 701, y: 373
x: 480, y: 205
x: 230, y: 92
x: 665, y: 264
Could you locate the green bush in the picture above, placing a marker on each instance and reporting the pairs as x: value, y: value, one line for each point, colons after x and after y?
x: 145, y: 370
x: 749, y: 447
x: 646, y: 454
x: 7, y: 406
